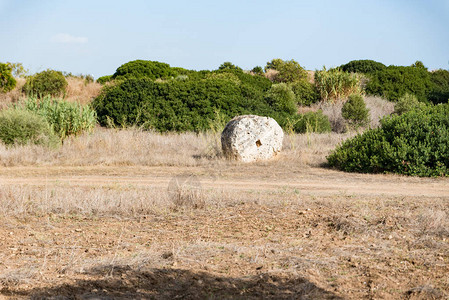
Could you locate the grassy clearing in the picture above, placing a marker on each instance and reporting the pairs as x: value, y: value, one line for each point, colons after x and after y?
x: 130, y: 147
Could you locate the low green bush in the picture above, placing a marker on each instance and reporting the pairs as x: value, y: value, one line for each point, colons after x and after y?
x: 288, y: 71
x: 144, y: 69
x: 282, y: 98
x: 312, y: 122
x: 7, y: 81
x: 362, y: 66
x: 414, y: 143
x: 407, y: 103
x: 104, y: 79
x: 21, y: 127
x: 257, y: 70
x: 305, y: 93
x: 65, y: 118
x: 229, y: 66
x: 49, y: 82
x: 355, y: 112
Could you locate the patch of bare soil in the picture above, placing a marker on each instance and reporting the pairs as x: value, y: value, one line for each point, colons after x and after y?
x: 259, y: 233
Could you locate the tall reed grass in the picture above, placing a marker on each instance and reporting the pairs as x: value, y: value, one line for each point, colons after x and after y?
x: 334, y: 84
x: 65, y: 118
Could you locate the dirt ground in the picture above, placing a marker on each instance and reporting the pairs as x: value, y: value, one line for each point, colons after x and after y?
x: 221, y: 232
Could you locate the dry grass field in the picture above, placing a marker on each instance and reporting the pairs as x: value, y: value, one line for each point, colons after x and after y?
x: 139, y: 215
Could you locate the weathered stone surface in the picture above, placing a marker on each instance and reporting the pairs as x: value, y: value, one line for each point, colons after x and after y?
x: 250, y: 138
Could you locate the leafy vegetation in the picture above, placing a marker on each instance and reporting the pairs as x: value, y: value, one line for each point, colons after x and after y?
x: 7, y: 81
x: 439, y: 91
x: 282, y: 98
x: 287, y: 71
x: 18, y: 70
x: 407, y: 103
x: 306, y: 93
x: 312, y: 122
x: 65, y: 118
x: 144, y: 69
x: 394, y: 82
x: 362, y: 66
x: 414, y: 143
x: 355, y: 112
x: 104, y: 79
x: 334, y: 84
x: 183, y: 105
x: 49, y: 82
x: 21, y: 127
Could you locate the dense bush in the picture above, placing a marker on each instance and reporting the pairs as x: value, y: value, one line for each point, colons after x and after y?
x: 407, y: 103
x: 362, y: 66
x: 258, y: 82
x: 394, y: 82
x: 282, y: 98
x: 49, y: 82
x: 439, y: 91
x: 20, y: 127
x: 333, y: 85
x: 306, y: 93
x: 144, y: 69
x: 287, y: 71
x: 187, y: 105
x: 65, y: 118
x: 312, y: 122
x: 257, y: 70
x: 229, y: 66
x: 104, y: 79
x: 355, y: 112
x: 414, y: 143
x: 7, y: 81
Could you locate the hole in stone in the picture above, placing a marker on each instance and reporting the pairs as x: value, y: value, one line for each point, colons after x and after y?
x: 258, y: 143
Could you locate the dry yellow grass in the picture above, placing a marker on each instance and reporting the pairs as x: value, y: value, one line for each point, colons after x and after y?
x: 81, y: 91
x: 134, y: 147
x: 132, y: 214
x: 78, y: 90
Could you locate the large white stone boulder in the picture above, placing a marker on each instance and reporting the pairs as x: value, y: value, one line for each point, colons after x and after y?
x: 250, y: 138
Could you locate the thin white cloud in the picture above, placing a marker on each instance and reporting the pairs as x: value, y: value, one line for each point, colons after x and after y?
x: 65, y: 38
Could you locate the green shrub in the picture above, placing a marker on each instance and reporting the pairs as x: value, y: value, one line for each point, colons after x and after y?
x: 144, y: 69
x: 355, y: 112
x: 288, y: 71
x: 18, y: 70
x: 394, y: 82
x: 49, y: 82
x: 305, y: 92
x: 20, y: 127
x: 65, y: 118
x: 7, y: 81
x: 312, y: 122
x: 224, y: 76
x: 406, y: 103
x: 414, y: 143
x: 259, y: 82
x: 439, y: 90
x: 182, y: 105
x: 335, y: 84
x: 282, y: 98
x: 104, y: 79
x: 257, y: 70
x: 229, y: 66
x: 362, y: 66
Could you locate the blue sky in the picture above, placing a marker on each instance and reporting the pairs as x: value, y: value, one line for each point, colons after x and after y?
x: 96, y: 37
